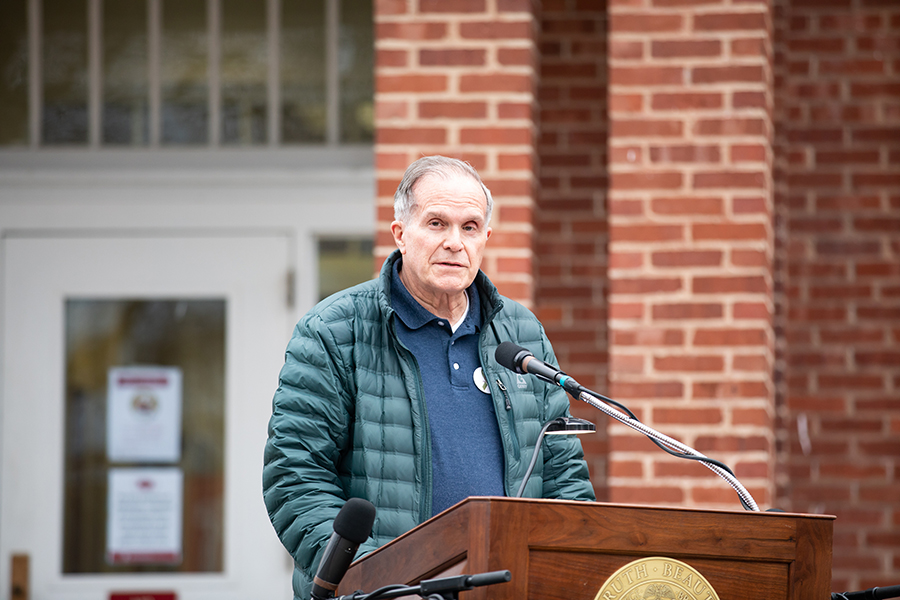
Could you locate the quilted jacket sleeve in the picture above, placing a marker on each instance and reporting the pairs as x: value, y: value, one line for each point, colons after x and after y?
x: 308, y: 432
x: 565, y: 470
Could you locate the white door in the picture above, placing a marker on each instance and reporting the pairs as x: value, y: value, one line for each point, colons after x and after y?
x: 48, y: 279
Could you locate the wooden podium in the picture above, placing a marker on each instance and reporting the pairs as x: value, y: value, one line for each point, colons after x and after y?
x: 568, y: 550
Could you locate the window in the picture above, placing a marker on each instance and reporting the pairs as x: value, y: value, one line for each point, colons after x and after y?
x: 186, y: 73
x: 109, y: 336
x: 343, y: 262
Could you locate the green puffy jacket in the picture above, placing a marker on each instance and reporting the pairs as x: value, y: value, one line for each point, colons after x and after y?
x: 349, y: 420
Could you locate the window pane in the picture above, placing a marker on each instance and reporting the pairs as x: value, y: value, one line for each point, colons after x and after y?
x: 302, y: 63
x: 64, y: 70
x: 243, y: 74
x: 183, y: 71
x: 125, y: 110
x: 344, y: 262
x: 356, y: 68
x: 13, y: 74
x: 188, y: 335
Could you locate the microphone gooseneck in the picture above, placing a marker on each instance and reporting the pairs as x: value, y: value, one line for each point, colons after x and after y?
x: 521, y: 360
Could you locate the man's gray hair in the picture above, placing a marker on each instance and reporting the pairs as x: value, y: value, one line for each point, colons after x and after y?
x: 436, y: 166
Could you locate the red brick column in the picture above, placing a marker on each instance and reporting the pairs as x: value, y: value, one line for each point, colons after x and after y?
x: 457, y: 77
x: 840, y: 114
x: 690, y: 211
x: 571, y: 232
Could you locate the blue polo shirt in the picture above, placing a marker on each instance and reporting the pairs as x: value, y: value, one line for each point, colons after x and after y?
x: 466, y: 451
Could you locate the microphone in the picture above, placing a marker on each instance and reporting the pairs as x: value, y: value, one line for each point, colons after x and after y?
x: 431, y: 588
x: 352, y: 527
x: 875, y: 593
x: 521, y: 360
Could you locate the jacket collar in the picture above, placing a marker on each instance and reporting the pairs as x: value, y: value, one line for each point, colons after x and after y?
x: 491, y: 300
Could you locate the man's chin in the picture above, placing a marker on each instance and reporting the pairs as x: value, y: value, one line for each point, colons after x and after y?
x: 454, y: 285
x: 452, y: 273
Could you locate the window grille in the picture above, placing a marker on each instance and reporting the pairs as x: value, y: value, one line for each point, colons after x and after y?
x: 186, y: 73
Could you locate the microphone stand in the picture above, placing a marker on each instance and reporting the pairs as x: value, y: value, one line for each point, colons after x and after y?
x: 662, y: 439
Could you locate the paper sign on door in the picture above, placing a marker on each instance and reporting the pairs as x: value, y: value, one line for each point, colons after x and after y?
x: 144, y: 513
x: 144, y: 414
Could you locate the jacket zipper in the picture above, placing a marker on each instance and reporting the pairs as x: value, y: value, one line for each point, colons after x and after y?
x: 425, y: 459
x: 505, y: 394
x: 512, y: 418
x: 425, y: 500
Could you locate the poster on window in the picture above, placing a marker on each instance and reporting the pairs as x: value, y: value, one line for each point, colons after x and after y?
x: 144, y: 414
x: 144, y: 511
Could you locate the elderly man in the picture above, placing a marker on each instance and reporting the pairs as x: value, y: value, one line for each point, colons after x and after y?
x: 389, y: 390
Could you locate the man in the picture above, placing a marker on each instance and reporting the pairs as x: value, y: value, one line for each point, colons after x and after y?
x: 390, y: 392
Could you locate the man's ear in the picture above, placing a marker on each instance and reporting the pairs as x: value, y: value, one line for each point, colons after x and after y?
x: 397, y: 232
x: 487, y: 233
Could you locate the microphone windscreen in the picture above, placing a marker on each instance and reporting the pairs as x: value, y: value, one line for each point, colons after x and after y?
x: 355, y: 519
x: 506, y: 354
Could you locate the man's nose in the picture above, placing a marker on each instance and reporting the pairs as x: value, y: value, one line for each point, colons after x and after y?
x: 453, y: 241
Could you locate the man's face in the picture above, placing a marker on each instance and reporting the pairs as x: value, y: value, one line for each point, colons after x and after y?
x: 444, y: 239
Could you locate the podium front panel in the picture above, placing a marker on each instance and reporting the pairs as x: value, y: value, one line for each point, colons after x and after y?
x: 568, y: 550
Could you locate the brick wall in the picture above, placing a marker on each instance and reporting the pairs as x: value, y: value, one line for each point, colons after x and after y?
x: 712, y: 192
x: 571, y: 222
x: 839, y: 99
x: 690, y: 209
x: 458, y: 78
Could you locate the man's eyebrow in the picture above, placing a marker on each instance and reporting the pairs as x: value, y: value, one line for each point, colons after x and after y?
x: 439, y: 214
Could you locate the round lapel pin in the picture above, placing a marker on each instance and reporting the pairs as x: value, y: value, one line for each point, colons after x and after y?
x: 480, y: 381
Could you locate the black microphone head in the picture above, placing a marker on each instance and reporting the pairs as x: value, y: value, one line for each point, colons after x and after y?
x: 355, y: 519
x: 510, y: 355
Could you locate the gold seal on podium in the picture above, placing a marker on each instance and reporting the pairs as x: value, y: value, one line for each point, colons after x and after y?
x: 656, y: 578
